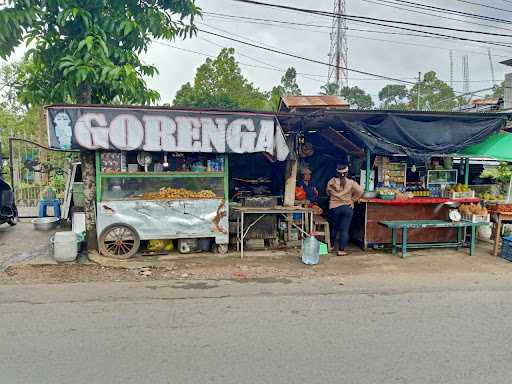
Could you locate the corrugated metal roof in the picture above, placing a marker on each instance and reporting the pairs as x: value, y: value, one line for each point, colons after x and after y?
x: 314, y: 101
x: 485, y: 101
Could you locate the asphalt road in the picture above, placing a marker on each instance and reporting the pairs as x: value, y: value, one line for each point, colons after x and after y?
x: 260, y: 332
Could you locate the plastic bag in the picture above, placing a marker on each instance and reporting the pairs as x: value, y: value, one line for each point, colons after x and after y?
x: 160, y: 245
x: 300, y: 194
x: 311, y: 251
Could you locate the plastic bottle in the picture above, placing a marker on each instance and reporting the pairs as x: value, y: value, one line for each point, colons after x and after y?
x: 311, y: 251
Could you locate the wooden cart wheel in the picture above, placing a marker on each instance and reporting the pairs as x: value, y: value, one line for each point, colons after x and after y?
x: 119, y: 241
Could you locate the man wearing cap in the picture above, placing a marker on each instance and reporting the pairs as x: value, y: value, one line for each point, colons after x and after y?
x: 343, y: 192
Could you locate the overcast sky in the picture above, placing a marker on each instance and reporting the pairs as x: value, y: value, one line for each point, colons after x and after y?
x: 386, y: 54
x: 398, y: 56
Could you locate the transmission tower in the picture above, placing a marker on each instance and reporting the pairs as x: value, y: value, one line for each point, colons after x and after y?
x: 338, y: 52
x: 465, y: 75
x: 451, y: 69
x: 493, y: 76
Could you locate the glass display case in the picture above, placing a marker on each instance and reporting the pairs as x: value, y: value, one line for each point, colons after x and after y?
x: 153, y: 196
x: 443, y: 177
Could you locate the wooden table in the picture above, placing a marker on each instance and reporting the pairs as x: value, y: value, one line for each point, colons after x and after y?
x: 498, y: 218
x: 367, y: 232
x: 283, y: 211
x: 405, y: 225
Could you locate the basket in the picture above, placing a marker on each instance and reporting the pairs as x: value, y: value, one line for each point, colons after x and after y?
x: 387, y: 197
x: 477, y: 218
x: 459, y: 195
x: 506, y: 248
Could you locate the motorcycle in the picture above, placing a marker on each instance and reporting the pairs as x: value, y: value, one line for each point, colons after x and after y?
x: 8, y: 210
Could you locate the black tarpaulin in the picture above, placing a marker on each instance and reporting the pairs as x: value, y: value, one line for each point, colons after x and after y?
x: 414, y: 134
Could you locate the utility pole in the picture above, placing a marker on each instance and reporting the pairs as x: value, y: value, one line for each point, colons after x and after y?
x: 465, y: 74
x: 419, y: 91
x: 451, y: 69
x: 338, y: 52
x: 491, y: 64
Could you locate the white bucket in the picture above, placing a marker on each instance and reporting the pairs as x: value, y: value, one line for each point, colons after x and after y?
x: 64, y: 246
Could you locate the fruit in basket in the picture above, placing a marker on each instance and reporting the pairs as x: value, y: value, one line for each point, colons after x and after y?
x: 473, y: 209
x: 386, y: 191
x: 460, y: 188
x: 504, y: 208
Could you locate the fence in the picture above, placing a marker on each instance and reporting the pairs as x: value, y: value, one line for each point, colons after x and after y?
x: 33, y: 169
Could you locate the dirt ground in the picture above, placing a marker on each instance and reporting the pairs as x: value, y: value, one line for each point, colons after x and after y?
x: 266, y: 268
x: 24, y: 260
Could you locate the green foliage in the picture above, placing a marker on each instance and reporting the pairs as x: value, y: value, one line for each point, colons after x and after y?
x: 24, y: 125
x: 434, y: 94
x: 58, y: 182
x: 219, y: 83
x: 394, y: 96
x: 501, y: 174
x: 287, y: 87
x: 9, y: 88
x: 497, y: 91
x: 356, y: 97
x: 89, y: 50
x: 330, y: 89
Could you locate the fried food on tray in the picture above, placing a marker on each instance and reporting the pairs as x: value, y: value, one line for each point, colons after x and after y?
x: 178, y: 194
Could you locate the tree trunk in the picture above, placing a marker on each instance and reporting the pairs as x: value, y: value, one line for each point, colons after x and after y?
x: 43, y: 139
x: 89, y: 180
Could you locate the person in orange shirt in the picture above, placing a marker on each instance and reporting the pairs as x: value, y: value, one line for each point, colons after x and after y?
x: 343, y: 193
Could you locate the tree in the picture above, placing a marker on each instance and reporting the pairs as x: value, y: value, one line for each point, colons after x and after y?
x: 330, y: 89
x: 356, y: 97
x: 219, y: 83
x: 88, y: 51
x: 434, y: 94
x: 497, y: 91
x: 287, y: 87
x: 394, y: 96
x: 9, y: 88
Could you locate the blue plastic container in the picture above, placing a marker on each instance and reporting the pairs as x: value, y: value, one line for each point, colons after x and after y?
x: 506, y: 248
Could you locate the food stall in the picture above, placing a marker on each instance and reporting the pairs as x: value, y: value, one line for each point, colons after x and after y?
x: 424, y: 196
x: 161, y: 173
x: 404, y: 161
x: 497, y: 147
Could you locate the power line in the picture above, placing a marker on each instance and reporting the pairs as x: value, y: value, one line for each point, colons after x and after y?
x: 365, y: 21
x: 304, y: 58
x: 316, y: 61
x: 451, y: 11
x: 396, y: 4
x: 284, y: 24
x: 484, y: 5
x: 355, y: 18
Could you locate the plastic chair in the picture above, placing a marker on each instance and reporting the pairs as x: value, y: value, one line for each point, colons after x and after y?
x: 44, y: 204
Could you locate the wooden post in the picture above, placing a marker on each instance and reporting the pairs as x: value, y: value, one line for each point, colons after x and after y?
x: 291, y: 181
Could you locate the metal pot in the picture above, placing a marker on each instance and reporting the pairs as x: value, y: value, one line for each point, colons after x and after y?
x: 45, y: 223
